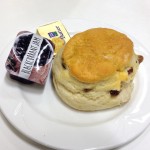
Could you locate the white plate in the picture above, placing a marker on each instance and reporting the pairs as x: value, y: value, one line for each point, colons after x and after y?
x: 39, y: 114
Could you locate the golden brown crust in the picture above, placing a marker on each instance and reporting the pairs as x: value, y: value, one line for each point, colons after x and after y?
x: 96, y: 54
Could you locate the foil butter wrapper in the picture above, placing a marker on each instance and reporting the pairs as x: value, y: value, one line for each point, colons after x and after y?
x: 30, y: 58
x: 56, y: 32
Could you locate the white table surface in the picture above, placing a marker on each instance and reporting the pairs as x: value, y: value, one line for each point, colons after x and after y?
x: 133, y: 16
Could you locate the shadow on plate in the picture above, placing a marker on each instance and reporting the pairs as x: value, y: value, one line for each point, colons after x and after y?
x: 26, y: 87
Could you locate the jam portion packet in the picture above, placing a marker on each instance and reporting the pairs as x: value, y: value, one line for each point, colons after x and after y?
x: 30, y: 58
x: 56, y: 32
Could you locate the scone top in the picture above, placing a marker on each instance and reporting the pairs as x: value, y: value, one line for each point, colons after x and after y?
x: 96, y: 54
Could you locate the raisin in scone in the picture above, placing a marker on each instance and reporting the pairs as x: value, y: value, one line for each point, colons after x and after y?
x: 96, y: 69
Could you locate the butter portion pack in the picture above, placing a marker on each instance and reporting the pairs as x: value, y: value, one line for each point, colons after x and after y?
x: 55, y: 32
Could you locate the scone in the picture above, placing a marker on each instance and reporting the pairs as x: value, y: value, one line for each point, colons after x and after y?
x: 95, y: 70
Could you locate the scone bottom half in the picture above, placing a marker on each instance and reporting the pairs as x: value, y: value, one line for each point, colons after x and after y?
x: 95, y: 69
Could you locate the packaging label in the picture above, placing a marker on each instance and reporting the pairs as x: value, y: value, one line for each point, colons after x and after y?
x: 30, y: 56
x: 53, y: 30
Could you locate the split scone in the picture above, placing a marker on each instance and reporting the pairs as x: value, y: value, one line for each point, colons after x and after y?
x: 95, y: 70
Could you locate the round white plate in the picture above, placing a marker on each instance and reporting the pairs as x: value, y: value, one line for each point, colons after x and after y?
x: 37, y: 112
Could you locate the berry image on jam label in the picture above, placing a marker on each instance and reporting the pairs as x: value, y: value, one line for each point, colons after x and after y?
x: 21, y: 44
x: 30, y: 56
